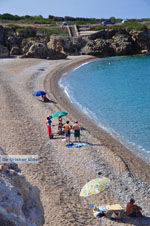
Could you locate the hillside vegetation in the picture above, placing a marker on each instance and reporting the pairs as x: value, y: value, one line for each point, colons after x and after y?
x: 137, y: 24
x: 29, y: 31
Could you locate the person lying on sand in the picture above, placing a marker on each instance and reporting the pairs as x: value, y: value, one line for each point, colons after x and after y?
x: 133, y: 210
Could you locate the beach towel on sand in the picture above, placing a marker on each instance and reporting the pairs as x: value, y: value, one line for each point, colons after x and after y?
x: 107, y: 207
x: 75, y: 145
x: 111, y: 207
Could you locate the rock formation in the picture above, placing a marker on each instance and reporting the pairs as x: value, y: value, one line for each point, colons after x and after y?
x: 116, y: 42
x: 38, y: 50
x: 20, y: 201
x: 4, y: 52
x: 106, y: 42
x: 99, y: 48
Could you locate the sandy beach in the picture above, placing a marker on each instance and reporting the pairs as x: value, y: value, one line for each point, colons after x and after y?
x: 61, y: 172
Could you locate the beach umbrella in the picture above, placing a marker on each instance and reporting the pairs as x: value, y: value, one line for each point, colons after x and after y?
x: 39, y: 93
x: 57, y: 113
x: 94, y: 186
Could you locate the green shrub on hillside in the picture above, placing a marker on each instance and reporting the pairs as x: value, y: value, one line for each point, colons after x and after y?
x: 7, y: 16
x: 56, y: 20
x: 26, y: 32
x: 97, y: 28
x: 129, y: 25
x: 53, y: 31
x: 134, y: 25
x: 14, y: 26
x: 146, y: 19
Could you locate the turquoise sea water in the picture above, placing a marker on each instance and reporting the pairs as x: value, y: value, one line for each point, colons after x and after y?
x: 115, y: 92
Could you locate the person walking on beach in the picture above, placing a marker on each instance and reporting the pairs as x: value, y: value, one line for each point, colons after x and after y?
x: 76, y: 129
x: 67, y: 129
x: 49, y: 130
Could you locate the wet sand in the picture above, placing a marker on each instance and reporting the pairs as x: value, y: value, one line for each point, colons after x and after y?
x: 61, y: 172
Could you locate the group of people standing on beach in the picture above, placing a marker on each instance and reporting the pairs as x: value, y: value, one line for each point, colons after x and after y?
x: 132, y: 210
x: 64, y: 129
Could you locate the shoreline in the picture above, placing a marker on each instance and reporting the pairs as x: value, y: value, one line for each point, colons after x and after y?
x: 132, y: 147
x: 61, y: 172
x: 134, y: 164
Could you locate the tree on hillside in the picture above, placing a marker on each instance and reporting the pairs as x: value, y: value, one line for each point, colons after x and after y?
x: 50, y: 17
x: 112, y: 18
x: 8, y: 16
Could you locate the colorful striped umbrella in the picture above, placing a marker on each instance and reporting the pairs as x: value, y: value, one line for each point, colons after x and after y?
x: 95, y: 186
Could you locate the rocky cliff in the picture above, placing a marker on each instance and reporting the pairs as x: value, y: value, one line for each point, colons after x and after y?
x: 20, y: 201
x: 106, y: 42
x: 117, y: 42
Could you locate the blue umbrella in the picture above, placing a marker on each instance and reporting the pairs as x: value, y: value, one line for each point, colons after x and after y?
x: 41, y: 69
x: 39, y: 93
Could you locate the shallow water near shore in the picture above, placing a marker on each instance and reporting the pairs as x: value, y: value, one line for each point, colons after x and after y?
x: 114, y: 92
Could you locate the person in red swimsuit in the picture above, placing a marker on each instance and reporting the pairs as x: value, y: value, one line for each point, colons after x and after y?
x: 48, y: 124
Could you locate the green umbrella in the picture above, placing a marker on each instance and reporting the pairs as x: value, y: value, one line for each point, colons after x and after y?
x: 57, y: 113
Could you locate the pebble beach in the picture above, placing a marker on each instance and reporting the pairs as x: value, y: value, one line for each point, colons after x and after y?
x: 60, y: 172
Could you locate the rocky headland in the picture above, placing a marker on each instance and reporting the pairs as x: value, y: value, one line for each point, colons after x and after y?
x: 104, y: 43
